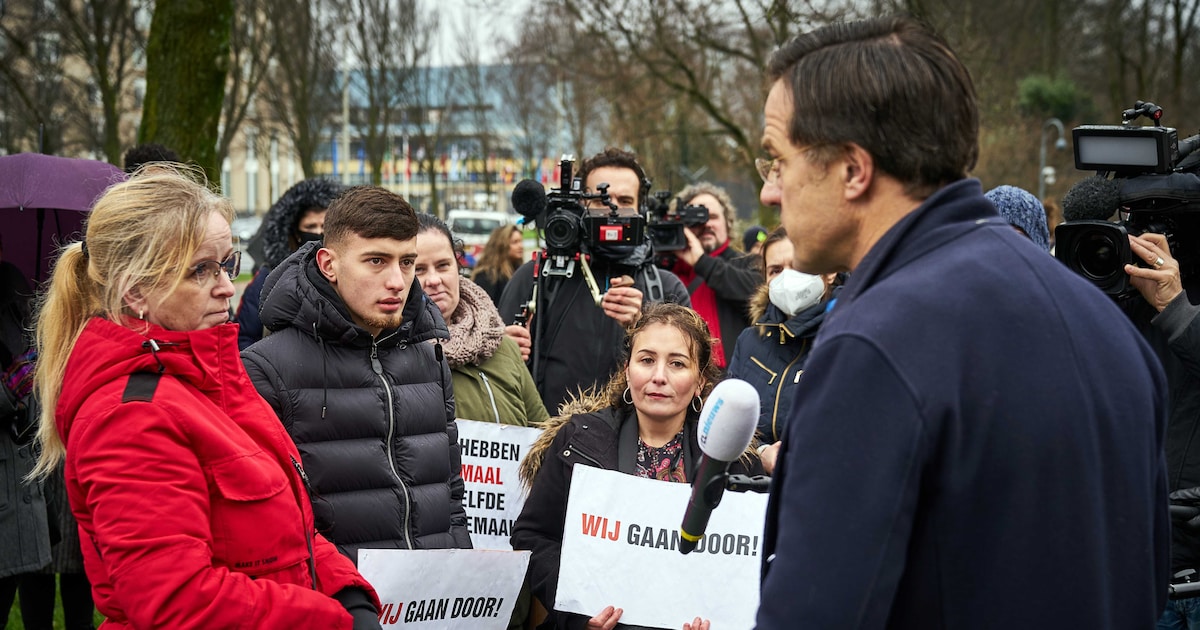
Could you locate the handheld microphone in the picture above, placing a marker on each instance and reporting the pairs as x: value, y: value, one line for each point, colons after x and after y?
x: 727, y: 423
x: 529, y: 199
x: 1092, y: 199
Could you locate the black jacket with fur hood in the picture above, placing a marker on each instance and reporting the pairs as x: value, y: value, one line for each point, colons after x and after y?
x: 592, y: 435
x: 373, y: 418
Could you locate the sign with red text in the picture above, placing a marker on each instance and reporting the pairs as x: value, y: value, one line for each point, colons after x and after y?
x: 621, y: 548
x: 491, y: 454
x: 456, y: 589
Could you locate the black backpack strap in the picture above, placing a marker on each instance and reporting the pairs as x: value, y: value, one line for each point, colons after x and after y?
x: 141, y: 387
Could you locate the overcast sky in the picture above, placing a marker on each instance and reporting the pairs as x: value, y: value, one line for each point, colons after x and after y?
x: 492, y: 21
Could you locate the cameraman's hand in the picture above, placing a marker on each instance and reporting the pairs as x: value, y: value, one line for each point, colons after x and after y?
x: 1160, y: 284
x: 622, y: 302
x: 519, y: 334
x: 694, y: 251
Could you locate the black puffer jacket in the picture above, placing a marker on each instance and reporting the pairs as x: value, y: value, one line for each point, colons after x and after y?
x: 383, y: 461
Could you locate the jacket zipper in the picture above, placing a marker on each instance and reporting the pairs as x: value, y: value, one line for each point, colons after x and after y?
x: 312, y: 558
x: 766, y: 369
x: 391, y: 411
x: 571, y: 447
x: 488, y: 386
x: 778, y: 393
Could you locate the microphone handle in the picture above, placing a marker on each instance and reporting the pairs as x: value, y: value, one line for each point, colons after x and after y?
x: 707, y: 489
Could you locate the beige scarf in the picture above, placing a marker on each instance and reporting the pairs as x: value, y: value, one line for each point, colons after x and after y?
x: 475, y: 327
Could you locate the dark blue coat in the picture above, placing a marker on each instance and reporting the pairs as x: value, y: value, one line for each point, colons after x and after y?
x: 771, y: 354
x: 977, y: 443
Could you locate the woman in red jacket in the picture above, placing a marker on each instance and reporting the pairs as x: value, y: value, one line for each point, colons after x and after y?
x: 190, y: 499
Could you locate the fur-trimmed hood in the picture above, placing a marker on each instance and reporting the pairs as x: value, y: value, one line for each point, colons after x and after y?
x: 272, y: 239
x: 584, y: 402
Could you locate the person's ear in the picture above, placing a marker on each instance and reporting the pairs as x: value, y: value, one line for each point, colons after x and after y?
x: 327, y: 264
x: 857, y: 169
x: 135, y: 301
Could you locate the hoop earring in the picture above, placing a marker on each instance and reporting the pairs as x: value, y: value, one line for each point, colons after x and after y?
x: 627, y: 396
x: 697, y: 404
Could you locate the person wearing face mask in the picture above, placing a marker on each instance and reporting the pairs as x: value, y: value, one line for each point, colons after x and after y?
x: 787, y: 311
x: 298, y: 217
x: 719, y: 279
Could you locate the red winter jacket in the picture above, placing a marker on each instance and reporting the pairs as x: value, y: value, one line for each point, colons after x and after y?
x: 192, y: 511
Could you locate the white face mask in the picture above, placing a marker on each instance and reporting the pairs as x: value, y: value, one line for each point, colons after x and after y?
x: 792, y: 291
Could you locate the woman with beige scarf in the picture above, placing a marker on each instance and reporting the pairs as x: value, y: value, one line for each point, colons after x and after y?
x: 491, y: 382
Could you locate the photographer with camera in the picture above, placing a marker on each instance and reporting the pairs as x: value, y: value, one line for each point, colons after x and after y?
x: 719, y: 279
x: 580, y: 340
x: 1147, y: 261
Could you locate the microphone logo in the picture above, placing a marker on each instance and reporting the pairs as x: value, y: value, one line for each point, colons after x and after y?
x: 708, y: 421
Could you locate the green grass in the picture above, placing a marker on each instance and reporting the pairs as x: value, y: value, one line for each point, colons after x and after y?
x: 15, y: 622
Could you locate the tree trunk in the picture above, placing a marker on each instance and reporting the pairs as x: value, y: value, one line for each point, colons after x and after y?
x: 187, y: 61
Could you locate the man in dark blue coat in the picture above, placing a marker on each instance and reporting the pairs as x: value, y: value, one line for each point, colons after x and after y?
x: 977, y: 440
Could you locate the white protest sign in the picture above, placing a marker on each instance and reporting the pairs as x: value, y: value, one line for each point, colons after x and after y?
x: 619, y: 527
x: 444, y: 588
x: 491, y: 454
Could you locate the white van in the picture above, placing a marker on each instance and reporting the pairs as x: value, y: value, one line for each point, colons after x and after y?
x: 475, y: 226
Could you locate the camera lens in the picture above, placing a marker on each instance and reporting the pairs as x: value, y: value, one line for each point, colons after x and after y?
x: 562, y: 231
x: 1098, y: 255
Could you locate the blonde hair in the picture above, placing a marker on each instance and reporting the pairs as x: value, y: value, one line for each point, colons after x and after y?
x: 494, y: 264
x: 140, y: 235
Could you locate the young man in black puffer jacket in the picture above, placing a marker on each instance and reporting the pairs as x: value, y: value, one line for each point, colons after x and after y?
x: 350, y: 370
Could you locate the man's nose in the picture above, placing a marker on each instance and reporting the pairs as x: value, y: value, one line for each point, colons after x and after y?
x: 770, y: 194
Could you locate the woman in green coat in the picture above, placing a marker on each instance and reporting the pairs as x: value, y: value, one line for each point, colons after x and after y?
x: 491, y: 382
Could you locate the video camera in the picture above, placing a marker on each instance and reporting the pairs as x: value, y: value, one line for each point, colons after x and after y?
x: 667, y: 223
x: 572, y: 227
x: 1147, y: 174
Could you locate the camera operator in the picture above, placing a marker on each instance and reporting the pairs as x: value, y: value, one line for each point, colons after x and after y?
x: 582, y: 343
x: 719, y: 279
x: 1167, y: 319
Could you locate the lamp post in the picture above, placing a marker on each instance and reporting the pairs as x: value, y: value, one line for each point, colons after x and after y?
x: 1047, y: 173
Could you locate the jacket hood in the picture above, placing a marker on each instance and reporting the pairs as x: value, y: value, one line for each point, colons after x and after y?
x: 297, y: 295
x: 204, y: 359
x: 584, y: 402
x: 766, y: 315
x: 272, y: 239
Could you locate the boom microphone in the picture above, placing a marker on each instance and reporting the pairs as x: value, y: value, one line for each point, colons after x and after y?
x: 727, y: 423
x: 529, y: 199
x: 1093, y: 199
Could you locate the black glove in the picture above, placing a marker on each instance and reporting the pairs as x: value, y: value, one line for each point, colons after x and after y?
x: 356, y: 602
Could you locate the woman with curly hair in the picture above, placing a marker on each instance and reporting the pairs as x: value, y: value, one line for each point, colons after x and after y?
x: 643, y: 424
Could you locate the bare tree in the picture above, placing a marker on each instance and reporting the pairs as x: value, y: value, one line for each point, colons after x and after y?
x: 304, y: 78
x: 251, y: 49
x: 432, y: 115
x: 32, y: 88
x: 387, y: 40
x: 107, y: 37
x: 478, y: 81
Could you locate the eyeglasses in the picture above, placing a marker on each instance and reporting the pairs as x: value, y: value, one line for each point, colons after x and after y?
x: 208, y: 270
x: 768, y: 168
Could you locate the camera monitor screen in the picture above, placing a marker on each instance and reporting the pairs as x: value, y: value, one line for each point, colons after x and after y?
x: 1116, y: 148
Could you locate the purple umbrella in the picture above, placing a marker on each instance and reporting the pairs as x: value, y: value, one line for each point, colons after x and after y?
x: 43, y: 201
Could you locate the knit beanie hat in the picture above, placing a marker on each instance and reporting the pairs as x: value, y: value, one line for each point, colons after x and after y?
x: 752, y: 235
x: 1021, y: 208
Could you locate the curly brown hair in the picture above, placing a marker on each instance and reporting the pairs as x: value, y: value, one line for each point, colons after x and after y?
x: 699, y: 340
